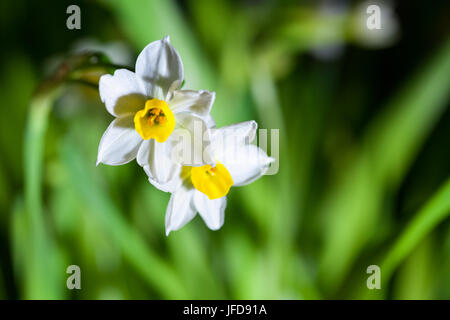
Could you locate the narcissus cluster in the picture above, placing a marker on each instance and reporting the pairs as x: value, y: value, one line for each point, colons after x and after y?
x: 171, y: 134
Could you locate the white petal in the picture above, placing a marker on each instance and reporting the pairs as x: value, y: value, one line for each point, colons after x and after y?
x: 197, y: 102
x: 226, y: 139
x: 193, y: 140
x: 210, y: 123
x: 243, y: 132
x: 180, y: 209
x: 173, y: 87
x: 158, y: 66
x: 121, y: 92
x: 246, y: 163
x: 120, y: 142
x: 156, y: 157
x: 168, y: 186
x: 212, y: 211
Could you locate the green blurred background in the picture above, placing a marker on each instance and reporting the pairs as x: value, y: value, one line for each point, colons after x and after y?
x: 364, y: 161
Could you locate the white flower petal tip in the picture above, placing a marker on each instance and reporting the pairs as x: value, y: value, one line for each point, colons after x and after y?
x: 157, y: 67
x: 180, y: 209
x: 266, y: 161
x: 249, y: 129
x: 252, y: 124
x: 266, y: 165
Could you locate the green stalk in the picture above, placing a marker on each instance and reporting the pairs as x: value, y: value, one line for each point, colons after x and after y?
x: 40, y: 283
x: 432, y: 214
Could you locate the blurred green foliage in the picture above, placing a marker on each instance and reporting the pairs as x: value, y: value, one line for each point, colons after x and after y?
x: 364, y: 155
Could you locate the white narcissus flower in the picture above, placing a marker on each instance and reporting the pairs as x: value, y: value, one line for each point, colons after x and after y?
x: 148, y: 106
x: 203, y: 189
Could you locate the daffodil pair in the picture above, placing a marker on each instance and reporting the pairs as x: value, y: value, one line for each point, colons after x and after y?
x: 171, y: 134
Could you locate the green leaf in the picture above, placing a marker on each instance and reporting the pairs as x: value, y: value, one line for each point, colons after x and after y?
x: 432, y: 214
x: 353, y: 206
x: 157, y: 272
x: 44, y: 270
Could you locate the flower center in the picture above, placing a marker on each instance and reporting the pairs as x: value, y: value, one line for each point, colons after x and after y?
x: 156, y: 120
x: 215, y: 182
